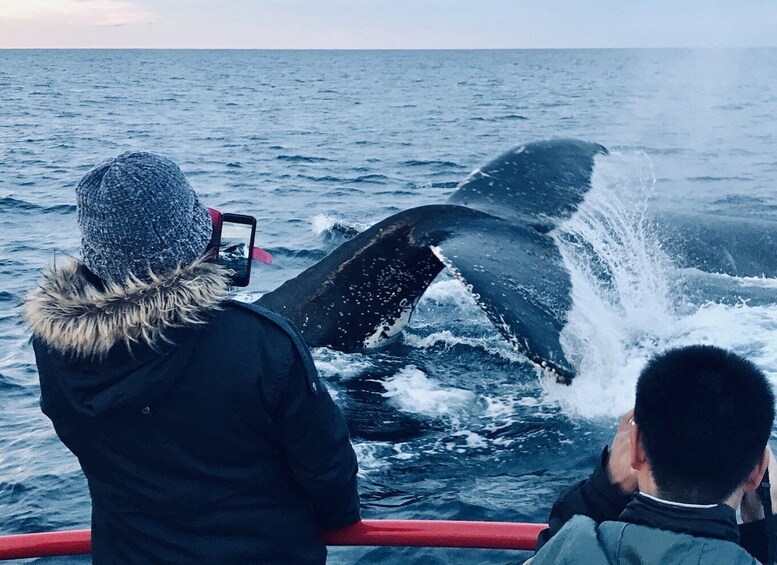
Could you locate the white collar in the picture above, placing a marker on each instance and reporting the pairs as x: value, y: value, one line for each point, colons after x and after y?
x: 680, y: 504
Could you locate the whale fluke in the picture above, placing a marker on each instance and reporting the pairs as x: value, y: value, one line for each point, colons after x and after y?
x: 492, y: 236
x: 360, y: 294
x: 534, y: 184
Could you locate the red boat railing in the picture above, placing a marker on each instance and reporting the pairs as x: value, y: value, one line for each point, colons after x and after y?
x: 426, y: 533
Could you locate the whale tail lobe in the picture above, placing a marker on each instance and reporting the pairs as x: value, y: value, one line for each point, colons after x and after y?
x: 493, y: 236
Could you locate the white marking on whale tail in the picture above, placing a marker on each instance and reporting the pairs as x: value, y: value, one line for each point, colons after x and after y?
x: 386, y: 330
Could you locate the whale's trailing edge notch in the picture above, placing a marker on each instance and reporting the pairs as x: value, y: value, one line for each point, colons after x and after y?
x: 492, y: 235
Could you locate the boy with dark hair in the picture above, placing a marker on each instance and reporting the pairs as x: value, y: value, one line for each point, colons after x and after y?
x: 667, y: 489
x: 704, y: 416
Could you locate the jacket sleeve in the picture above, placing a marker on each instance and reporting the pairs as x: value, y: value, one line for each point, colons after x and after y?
x: 315, y: 440
x: 594, y: 497
x: 754, y: 538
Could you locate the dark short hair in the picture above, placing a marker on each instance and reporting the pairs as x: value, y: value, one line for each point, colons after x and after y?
x: 705, y: 415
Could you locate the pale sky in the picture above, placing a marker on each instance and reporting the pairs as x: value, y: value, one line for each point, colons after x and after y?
x: 387, y: 24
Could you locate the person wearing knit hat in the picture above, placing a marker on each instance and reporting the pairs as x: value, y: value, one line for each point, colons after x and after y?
x: 201, y: 424
x: 137, y: 213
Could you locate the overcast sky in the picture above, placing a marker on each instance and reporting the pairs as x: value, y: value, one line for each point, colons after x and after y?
x: 387, y: 24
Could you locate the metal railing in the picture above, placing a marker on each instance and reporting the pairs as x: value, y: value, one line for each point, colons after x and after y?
x: 425, y: 533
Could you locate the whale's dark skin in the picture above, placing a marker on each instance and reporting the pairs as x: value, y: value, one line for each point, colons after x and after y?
x: 736, y: 246
x: 493, y: 234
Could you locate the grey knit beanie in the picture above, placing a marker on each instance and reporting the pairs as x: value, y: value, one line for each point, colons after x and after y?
x: 137, y: 212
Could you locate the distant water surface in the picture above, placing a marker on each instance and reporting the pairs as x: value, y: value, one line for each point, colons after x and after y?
x: 450, y: 422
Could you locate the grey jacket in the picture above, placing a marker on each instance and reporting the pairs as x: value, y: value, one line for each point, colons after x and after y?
x: 581, y: 540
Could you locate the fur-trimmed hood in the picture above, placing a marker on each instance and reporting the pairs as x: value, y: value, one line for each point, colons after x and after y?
x: 121, y: 346
x: 77, y: 319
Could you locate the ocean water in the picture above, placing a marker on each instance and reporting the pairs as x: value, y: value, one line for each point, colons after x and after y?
x: 449, y: 422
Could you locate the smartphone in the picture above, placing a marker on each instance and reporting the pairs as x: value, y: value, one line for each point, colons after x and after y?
x: 235, y: 245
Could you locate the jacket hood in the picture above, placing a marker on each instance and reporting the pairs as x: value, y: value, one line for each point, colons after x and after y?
x: 76, y: 319
x: 123, y: 345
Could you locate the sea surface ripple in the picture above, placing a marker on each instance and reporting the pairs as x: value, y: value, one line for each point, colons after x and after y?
x: 449, y: 422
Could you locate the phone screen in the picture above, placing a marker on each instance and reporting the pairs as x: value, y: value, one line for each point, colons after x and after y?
x: 237, y: 239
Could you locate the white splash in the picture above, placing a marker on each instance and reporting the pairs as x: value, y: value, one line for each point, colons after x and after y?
x: 449, y: 291
x: 373, y: 456
x: 448, y: 339
x: 322, y: 223
x: 333, y: 364
x: 412, y: 391
x: 624, y: 303
x: 471, y: 439
x: 754, y: 282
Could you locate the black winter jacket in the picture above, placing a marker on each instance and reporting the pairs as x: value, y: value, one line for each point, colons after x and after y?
x: 209, y: 439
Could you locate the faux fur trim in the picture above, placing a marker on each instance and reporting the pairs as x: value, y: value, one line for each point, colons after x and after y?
x: 76, y: 318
